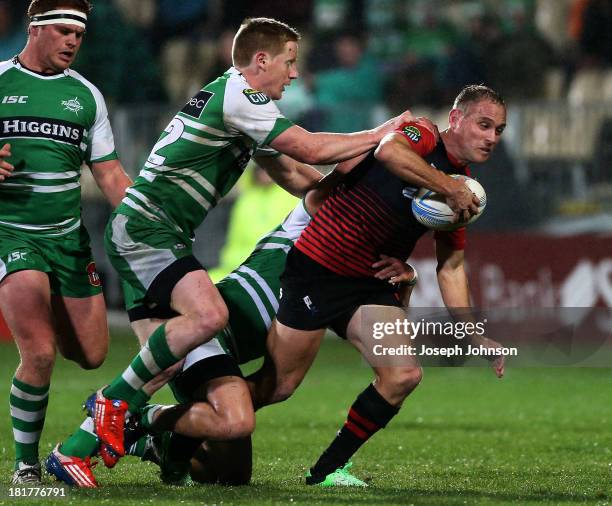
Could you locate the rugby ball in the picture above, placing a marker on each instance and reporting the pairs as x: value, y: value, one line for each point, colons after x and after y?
x: 430, y: 208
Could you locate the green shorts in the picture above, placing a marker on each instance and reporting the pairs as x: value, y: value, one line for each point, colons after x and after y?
x: 67, y: 259
x: 252, y: 303
x: 149, y: 256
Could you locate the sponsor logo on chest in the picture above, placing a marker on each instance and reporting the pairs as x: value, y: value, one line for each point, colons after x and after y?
x: 52, y: 129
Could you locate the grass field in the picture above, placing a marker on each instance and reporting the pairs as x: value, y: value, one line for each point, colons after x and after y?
x: 539, y: 436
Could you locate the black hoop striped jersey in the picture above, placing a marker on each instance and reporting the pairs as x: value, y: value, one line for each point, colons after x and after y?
x: 370, y: 213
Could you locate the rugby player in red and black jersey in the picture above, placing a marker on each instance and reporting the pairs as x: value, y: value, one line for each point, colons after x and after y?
x: 331, y: 279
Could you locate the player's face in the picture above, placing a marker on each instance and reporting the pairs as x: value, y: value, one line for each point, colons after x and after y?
x: 281, y: 69
x: 479, y: 130
x: 58, y: 45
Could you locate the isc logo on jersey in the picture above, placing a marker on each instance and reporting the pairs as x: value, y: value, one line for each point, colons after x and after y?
x: 15, y: 99
x: 413, y: 133
x: 256, y: 97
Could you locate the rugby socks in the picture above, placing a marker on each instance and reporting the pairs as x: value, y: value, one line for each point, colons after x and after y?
x: 154, y: 357
x: 141, y: 398
x: 369, y: 413
x: 28, y: 407
x: 83, y: 443
x: 147, y: 415
x: 138, y: 448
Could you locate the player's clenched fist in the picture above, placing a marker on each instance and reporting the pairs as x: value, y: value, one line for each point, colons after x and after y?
x: 5, y: 167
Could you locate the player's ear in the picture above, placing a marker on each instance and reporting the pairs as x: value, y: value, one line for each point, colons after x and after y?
x: 454, y: 117
x: 261, y: 58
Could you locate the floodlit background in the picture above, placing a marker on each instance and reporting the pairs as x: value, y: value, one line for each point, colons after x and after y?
x: 363, y: 61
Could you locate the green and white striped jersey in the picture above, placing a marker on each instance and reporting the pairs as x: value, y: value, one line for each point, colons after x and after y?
x: 54, y: 124
x: 203, y: 151
x: 251, y: 291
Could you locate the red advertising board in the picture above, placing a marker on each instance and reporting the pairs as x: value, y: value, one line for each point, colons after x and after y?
x: 516, y: 270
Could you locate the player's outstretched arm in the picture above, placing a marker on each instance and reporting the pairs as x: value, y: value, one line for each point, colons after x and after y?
x: 396, y: 153
x: 326, y: 148
x: 5, y: 168
x: 111, y: 179
x: 293, y: 176
x: 454, y: 287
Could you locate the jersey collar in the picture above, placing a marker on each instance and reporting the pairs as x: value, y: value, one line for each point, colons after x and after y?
x: 20, y: 66
x: 454, y: 161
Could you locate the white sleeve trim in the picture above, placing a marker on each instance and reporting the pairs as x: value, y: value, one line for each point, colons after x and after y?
x: 6, y: 65
x: 100, y: 135
x: 241, y: 116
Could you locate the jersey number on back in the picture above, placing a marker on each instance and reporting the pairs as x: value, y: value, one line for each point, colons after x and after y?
x: 174, y: 130
x: 176, y: 127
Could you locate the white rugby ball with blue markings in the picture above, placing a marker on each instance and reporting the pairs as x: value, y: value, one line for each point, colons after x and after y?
x: 430, y: 208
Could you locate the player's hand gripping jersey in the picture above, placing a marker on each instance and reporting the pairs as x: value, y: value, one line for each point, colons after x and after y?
x: 54, y: 124
x: 370, y: 214
x: 203, y: 151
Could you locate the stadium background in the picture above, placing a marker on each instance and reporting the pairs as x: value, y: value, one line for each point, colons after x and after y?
x: 362, y: 61
x: 545, y: 239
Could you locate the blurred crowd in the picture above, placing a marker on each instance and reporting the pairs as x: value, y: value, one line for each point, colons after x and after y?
x: 356, y: 56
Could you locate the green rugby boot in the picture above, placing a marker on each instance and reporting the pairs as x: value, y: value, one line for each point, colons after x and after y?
x: 339, y: 478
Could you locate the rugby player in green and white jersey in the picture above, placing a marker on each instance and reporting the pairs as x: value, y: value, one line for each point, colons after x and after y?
x: 52, y: 120
x: 196, y: 161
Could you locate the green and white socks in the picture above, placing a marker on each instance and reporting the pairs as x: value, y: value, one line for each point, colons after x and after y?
x: 154, y: 357
x: 28, y: 408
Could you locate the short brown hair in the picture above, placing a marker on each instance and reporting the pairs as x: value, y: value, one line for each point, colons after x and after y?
x: 261, y: 34
x: 40, y: 6
x: 475, y: 93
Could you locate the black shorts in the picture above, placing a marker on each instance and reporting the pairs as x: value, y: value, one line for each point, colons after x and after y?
x: 313, y: 297
x: 187, y: 383
x: 157, y: 298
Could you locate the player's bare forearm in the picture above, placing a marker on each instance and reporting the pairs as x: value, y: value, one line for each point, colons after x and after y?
x: 293, y: 176
x: 112, y: 180
x: 325, y: 148
x: 395, y: 153
x: 399, y: 158
x: 162, y: 378
x: 452, y: 278
x: 454, y: 287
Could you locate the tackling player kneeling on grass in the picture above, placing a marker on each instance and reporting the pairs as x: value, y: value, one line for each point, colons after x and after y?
x: 329, y: 282
x: 50, y: 292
